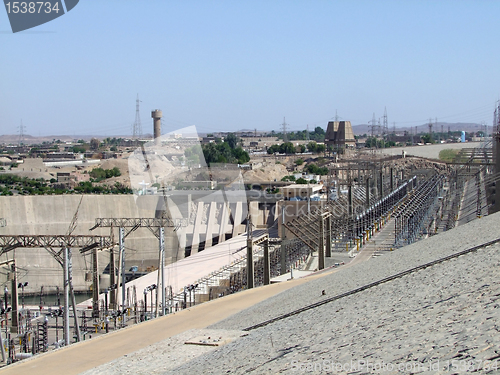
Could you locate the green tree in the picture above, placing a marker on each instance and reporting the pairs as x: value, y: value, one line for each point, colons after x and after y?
x: 94, y: 144
x: 232, y: 140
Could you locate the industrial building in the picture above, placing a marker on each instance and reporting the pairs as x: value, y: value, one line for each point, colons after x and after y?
x: 339, y: 135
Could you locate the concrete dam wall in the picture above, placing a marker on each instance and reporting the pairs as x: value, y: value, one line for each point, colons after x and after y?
x: 51, y: 215
x: 208, y: 217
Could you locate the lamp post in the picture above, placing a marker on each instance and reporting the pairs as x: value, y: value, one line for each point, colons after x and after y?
x: 145, y: 302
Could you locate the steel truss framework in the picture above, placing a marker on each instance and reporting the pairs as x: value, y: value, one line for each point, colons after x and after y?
x: 49, y: 242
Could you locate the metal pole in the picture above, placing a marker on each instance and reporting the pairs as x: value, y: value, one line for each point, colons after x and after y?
x: 328, y: 236
x: 162, y: 268
x: 367, y: 192
x: 66, y: 297
x: 95, y: 285
x: 267, y: 271
x: 112, y: 279
x: 350, y: 200
x: 392, y: 179
x: 321, y: 250
x: 4, y: 358
x: 72, y: 293
x: 381, y: 183
x: 249, y: 254
x: 122, y: 254
x: 15, y: 298
x: 283, y: 253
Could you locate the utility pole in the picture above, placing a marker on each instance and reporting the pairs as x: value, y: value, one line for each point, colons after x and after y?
x: 430, y: 130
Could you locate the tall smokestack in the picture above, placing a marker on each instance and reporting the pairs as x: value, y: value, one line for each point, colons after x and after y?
x: 156, y: 115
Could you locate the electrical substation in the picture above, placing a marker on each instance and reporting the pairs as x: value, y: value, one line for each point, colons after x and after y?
x: 214, y: 245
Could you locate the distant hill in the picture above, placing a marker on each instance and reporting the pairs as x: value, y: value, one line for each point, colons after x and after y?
x: 29, y: 139
x: 423, y: 128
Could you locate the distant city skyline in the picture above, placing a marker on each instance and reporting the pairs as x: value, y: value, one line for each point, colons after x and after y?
x: 227, y: 66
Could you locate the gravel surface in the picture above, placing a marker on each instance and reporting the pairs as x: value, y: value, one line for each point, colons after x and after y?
x: 444, y: 313
x: 460, y: 238
x: 168, y: 354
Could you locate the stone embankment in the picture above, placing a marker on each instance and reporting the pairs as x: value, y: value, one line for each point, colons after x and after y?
x: 441, y: 319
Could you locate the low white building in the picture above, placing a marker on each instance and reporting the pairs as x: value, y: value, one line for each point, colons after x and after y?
x: 302, y: 191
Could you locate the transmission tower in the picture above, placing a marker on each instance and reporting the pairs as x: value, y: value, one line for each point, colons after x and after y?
x: 137, y: 130
x: 386, y: 124
x: 22, y: 128
x: 430, y: 129
x: 373, y: 126
x: 307, y: 133
x: 336, y: 116
x: 284, y: 125
x: 496, y: 120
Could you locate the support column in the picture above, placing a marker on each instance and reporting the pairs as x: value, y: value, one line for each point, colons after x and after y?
x: 367, y: 191
x: 392, y: 179
x: 497, y: 170
x: 249, y: 263
x: 328, y: 236
x: 162, y: 269
x: 375, y: 184
x: 72, y: 294
x: 381, y: 184
x: 350, y: 201
x: 15, y: 299
x: 249, y: 254
x: 121, y: 240
x: 282, y: 249
x: 267, y: 268
x: 321, y: 249
x: 95, y: 285
x: 112, y: 280
x: 67, y: 339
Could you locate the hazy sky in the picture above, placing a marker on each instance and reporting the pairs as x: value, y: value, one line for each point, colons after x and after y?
x: 229, y: 65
